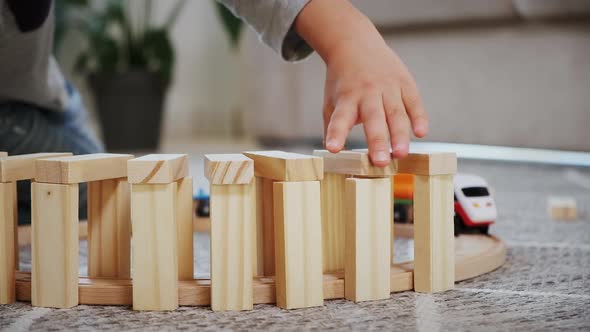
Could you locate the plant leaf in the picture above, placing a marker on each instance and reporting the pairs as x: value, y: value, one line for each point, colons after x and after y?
x: 158, y: 51
x: 233, y: 25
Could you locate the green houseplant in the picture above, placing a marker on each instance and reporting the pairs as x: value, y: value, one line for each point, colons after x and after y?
x: 128, y: 66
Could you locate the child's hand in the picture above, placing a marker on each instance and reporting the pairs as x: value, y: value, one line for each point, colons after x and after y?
x: 366, y: 82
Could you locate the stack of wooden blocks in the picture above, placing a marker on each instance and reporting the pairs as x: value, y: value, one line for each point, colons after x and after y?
x: 290, y: 219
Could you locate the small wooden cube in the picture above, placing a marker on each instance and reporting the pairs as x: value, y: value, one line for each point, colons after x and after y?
x: 562, y: 208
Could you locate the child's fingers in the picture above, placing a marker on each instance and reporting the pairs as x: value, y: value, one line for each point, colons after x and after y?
x: 327, y: 114
x: 415, y: 108
x: 376, y: 131
x: 340, y: 123
x: 398, y: 123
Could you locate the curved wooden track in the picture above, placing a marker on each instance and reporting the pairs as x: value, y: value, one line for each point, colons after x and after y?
x: 475, y: 255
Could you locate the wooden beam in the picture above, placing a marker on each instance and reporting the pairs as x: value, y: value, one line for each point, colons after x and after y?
x: 368, y: 244
x: 265, y: 227
x: 434, y: 259
x: 298, y: 242
x: 22, y: 167
x: 3, y: 154
x: 8, y: 247
x: 109, y: 229
x: 286, y: 166
x: 55, y: 245
x: 232, y: 220
x: 82, y: 168
x: 333, y: 225
x: 355, y: 162
x: 158, y: 168
x: 442, y: 163
x: 184, y: 228
x: 155, y: 257
x: 229, y: 169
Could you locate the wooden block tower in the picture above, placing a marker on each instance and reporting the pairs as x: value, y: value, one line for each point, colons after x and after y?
x: 54, y: 198
x: 296, y: 225
x: 361, y: 222
x: 161, y: 248
x: 12, y: 169
x: 233, y: 216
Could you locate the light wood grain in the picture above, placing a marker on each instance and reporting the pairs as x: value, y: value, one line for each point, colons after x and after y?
x: 155, y: 257
x: 229, y: 169
x: 442, y: 163
x: 82, y: 168
x: 158, y: 168
x: 368, y: 244
x: 354, y: 163
x: 286, y: 166
x: 433, y: 233
x: 232, y: 220
x: 109, y: 229
x: 333, y: 225
x: 562, y: 208
x: 54, y: 245
x: 8, y: 245
x: 184, y: 228
x: 476, y: 255
x: 298, y: 243
x: 265, y: 226
x: 22, y: 167
x: 3, y: 154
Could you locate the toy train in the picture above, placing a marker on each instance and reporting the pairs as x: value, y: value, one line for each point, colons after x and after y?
x: 475, y: 209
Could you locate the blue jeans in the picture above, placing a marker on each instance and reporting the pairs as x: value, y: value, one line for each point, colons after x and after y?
x: 26, y: 128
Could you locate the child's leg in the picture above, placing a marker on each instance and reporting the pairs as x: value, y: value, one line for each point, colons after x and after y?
x: 27, y: 128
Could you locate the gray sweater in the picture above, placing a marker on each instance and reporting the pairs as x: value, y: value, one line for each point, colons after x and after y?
x: 30, y: 74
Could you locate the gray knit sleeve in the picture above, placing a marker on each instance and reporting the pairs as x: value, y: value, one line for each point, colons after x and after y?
x: 273, y: 21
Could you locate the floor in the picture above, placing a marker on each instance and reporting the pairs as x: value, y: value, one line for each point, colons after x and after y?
x: 545, y: 284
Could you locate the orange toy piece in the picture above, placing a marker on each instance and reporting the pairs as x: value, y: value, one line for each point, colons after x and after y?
x: 403, y: 187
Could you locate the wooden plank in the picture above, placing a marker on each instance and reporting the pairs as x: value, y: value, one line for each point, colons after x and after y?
x: 433, y: 233
x: 55, y: 245
x: 333, y: 225
x: 232, y: 219
x: 22, y: 167
x: 109, y: 229
x: 3, y: 154
x: 8, y: 247
x: 82, y: 168
x: 158, y: 168
x: 229, y: 169
x: 298, y: 242
x: 184, y: 228
x: 155, y: 258
x: 368, y: 244
x: 286, y: 166
x: 355, y: 162
x: 443, y: 163
x: 265, y: 234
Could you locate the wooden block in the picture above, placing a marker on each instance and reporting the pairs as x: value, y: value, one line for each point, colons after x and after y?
x: 22, y: 167
x: 3, y: 154
x: 298, y: 243
x: 434, y: 250
x: 265, y: 227
x: 333, y: 225
x: 158, y: 168
x: 155, y: 257
x: 83, y: 168
x: 257, y: 232
x: 229, y: 169
x: 562, y: 208
x: 109, y: 229
x: 368, y: 244
x: 54, y: 247
x: 232, y: 220
x: 442, y: 163
x: 184, y: 228
x: 8, y: 247
x: 286, y: 166
x: 355, y: 163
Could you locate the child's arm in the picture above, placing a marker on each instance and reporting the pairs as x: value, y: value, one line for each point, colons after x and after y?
x: 366, y: 81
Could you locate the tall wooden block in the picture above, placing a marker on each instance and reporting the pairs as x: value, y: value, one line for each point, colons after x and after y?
x: 8, y: 231
x: 155, y: 258
x: 184, y: 228
x: 54, y: 246
x: 232, y: 220
x: 434, y: 249
x: 157, y: 168
x: 368, y: 247
x: 265, y: 227
x: 333, y: 221
x: 298, y: 244
x: 109, y: 229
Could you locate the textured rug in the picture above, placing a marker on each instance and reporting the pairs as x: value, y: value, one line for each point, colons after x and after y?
x: 545, y: 284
